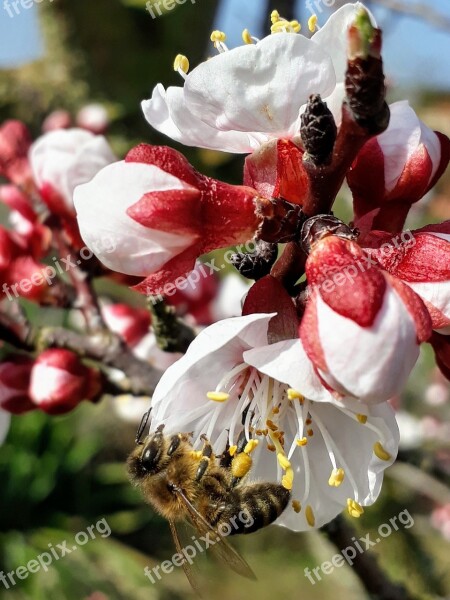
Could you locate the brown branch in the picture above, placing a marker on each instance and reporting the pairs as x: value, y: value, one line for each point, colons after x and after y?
x: 366, y: 566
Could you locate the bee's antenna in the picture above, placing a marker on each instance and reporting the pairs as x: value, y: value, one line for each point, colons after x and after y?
x: 142, y: 426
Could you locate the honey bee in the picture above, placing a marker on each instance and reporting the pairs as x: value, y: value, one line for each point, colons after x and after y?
x: 209, y: 491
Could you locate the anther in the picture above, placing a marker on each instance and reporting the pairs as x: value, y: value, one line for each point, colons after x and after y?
x: 296, y: 506
x: 336, y: 477
x: 181, y: 64
x: 309, y: 514
x: 312, y: 23
x: 218, y: 396
x: 354, y: 508
x: 380, y: 452
x: 362, y: 419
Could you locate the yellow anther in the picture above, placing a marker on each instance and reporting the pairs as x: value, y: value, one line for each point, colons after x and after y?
x: 218, y: 396
x: 336, y: 477
x: 309, y: 514
x: 296, y: 506
x: 285, y: 26
x: 294, y: 395
x: 302, y: 442
x: 287, y: 480
x: 312, y: 23
x: 380, y: 452
x: 284, y: 462
x: 271, y: 425
x: 275, y: 16
x: 232, y: 450
x: 362, y: 418
x: 354, y: 509
x: 218, y: 36
x: 181, y: 63
x: 246, y: 37
x: 250, y: 446
x: 295, y: 26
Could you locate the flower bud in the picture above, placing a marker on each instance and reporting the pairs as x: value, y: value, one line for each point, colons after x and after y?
x: 63, y: 159
x: 362, y: 327
x: 58, y: 119
x: 93, y: 118
x: 60, y: 381
x: 14, y: 381
x: 15, y: 141
x: 159, y: 215
x: 396, y: 169
x: 130, y: 323
x: 420, y: 258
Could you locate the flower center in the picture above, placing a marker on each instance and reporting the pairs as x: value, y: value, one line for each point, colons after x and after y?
x: 261, y: 406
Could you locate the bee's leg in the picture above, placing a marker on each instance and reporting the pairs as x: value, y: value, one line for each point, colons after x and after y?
x: 207, y: 456
x: 242, y: 462
x: 174, y: 443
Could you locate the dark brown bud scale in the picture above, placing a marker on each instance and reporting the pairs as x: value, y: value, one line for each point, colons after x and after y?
x: 318, y: 131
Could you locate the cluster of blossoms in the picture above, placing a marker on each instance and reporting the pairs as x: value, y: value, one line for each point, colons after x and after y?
x: 308, y: 368
x: 331, y: 329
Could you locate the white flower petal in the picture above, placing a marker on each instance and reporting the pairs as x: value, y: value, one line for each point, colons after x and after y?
x: 180, y: 396
x: 260, y: 87
x: 287, y: 362
x: 167, y: 112
x: 333, y: 36
x: 120, y: 242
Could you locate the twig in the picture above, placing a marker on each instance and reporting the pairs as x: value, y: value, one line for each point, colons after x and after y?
x: 418, y: 11
x: 366, y: 566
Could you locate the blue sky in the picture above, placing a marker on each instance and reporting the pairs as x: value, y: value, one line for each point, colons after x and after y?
x: 415, y: 54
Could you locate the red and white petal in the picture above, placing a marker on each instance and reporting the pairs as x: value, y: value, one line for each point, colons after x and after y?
x: 119, y: 241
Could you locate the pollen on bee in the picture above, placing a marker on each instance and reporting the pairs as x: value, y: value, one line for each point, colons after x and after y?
x: 309, y: 514
x: 196, y: 455
x: 241, y: 465
x: 296, y: 506
x: 218, y: 396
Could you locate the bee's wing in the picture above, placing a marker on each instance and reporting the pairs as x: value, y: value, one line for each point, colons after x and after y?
x: 218, y: 545
x: 186, y: 567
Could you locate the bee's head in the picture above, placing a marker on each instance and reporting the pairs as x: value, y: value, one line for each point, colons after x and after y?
x: 149, y: 456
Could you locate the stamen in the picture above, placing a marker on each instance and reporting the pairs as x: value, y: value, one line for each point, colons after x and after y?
x: 271, y: 425
x: 380, y: 452
x: 312, y: 23
x: 248, y: 38
x: 296, y: 506
x: 287, y: 480
x: 218, y: 396
x: 302, y: 442
x: 181, y: 65
x: 232, y: 450
x: 354, y: 509
x: 250, y: 446
x: 284, y: 26
x: 309, y: 514
x: 219, y: 38
x: 275, y: 16
x: 369, y: 425
x: 362, y: 419
x: 294, y: 395
x: 336, y: 477
x: 284, y: 462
